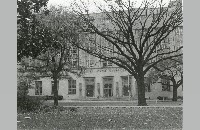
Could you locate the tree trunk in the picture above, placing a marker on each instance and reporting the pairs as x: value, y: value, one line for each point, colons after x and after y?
x: 174, y: 93
x: 141, y: 89
x: 55, y: 91
x: 175, y: 87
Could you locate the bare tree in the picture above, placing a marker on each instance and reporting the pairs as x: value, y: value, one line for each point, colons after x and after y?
x: 135, y: 35
x: 173, y: 69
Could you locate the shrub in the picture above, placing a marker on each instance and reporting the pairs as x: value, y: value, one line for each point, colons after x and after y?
x: 73, y: 109
x: 50, y: 97
x: 180, y: 97
x: 28, y: 103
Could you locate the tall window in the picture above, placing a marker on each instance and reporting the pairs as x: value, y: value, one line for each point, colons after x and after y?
x: 38, y: 87
x: 71, y: 86
x: 108, y: 85
x: 107, y: 48
x: 89, y: 86
x: 147, y: 85
x: 90, y: 44
x: 126, y: 83
x: 74, y: 53
x: 52, y: 85
x: 179, y: 31
x: 165, y: 83
x: 90, y: 61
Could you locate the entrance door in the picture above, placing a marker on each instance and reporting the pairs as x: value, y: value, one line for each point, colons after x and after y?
x: 125, y: 86
x: 108, y: 85
x: 90, y: 90
x: 89, y: 85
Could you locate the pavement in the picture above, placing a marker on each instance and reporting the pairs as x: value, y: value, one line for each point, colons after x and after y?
x: 133, y: 103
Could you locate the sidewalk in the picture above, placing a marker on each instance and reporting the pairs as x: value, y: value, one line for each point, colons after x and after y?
x: 80, y: 103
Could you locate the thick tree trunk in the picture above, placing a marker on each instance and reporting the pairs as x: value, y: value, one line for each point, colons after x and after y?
x: 175, y: 87
x: 141, y: 89
x: 174, y: 93
x: 55, y: 91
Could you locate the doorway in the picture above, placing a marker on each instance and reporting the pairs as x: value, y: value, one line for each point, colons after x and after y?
x: 89, y: 85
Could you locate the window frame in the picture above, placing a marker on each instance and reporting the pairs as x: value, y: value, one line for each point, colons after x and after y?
x: 165, y: 82
x: 71, y: 86
x: 74, y: 52
x: 147, y: 85
x: 38, y: 90
x: 106, y: 63
x: 126, y: 82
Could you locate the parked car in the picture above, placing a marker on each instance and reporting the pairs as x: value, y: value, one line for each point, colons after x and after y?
x: 50, y: 97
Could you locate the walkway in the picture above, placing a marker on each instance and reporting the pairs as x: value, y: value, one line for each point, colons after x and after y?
x: 77, y: 103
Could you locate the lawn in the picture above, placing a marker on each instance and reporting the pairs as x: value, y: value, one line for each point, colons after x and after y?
x: 114, y: 103
x: 97, y: 118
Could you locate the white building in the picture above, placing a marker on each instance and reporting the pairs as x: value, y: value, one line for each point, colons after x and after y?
x: 103, y: 79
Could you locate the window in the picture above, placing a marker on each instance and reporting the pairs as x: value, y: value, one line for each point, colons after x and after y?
x: 109, y: 63
x: 38, y: 87
x: 92, y: 37
x: 85, y: 26
x: 108, y: 85
x: 120, y: 35
x: 143, y: 17
x: 91, y: 42
x: 89, y: 86
x: 52, y: 85
x: 166, y: 40
x: 106, y: 63
x: 74, y: 63
x: 71, y: 86
x: 74, y: 60
x: 165, y: 83
x: 147, y: 85
x: 126, y: 83
x: 110, y: 49
x: 90, y: 61
x: 179, y: 31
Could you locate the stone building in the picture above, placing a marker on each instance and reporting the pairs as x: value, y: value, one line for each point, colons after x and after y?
x: 103, y: 79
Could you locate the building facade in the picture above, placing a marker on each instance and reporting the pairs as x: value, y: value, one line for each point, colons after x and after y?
x: 103, y: 79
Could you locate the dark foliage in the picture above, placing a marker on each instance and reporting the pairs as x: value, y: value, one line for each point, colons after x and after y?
x: 27, y: 103
x: 50, y: 97
x: 180, y: 97
x: 31, y: 36
x: 73, y: 109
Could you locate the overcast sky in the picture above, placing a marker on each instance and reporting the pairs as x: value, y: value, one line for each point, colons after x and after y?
x: 91, y: 4
x: 67, y: 2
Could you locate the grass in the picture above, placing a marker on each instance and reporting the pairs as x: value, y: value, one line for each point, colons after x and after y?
x: 97, y: 118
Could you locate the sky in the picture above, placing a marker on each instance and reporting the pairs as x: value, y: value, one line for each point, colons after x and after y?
x: 91, y: 4
x: 59, y: 2
x: 66, y: 2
